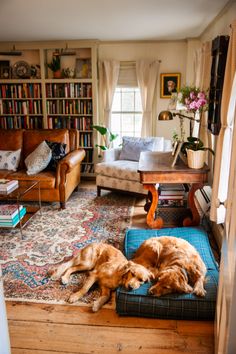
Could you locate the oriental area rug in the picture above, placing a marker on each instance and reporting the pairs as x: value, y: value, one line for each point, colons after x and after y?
x: 55, y: 236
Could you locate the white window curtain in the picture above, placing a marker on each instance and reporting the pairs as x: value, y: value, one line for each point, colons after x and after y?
x: 225, y: 340
x: 202, y: 80
x: 224, y: 143
x: 147, y: 74
x: 108, y: 78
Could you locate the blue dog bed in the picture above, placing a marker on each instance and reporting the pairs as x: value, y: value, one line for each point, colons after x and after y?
x: 172, y: 306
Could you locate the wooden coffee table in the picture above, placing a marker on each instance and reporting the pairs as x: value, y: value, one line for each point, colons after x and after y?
x: 155, y: 167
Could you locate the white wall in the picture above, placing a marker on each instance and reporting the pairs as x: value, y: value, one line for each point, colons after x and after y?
x: 173, y: 56
x: 221, y: 25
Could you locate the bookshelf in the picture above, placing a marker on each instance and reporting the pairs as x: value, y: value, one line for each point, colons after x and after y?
x: 32, y: 96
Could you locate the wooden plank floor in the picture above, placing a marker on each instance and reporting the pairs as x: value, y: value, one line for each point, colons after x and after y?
x: 67, y: 329
x: 40, y: 328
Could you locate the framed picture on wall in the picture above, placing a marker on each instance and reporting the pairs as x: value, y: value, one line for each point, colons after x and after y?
x: 170, y: 83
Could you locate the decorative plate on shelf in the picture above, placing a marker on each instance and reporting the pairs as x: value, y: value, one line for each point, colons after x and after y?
x: 21, y: 69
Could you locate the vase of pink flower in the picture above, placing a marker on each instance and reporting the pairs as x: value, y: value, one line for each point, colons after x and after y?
x: 193, y: 99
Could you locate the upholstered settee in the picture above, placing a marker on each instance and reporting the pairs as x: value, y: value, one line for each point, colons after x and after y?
x: 55, y: 185
x: 118, y: 170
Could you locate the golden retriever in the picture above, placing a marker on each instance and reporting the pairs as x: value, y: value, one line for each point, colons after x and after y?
x: 107, y: 266
x: 175, y: 264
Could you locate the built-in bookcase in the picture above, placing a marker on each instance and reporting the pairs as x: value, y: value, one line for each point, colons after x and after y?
x: 32, y: 98
x: 21, y: 106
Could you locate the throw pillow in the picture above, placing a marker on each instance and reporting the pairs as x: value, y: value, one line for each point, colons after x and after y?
x: 58, y: 152
x: 9, y: 160
x: 38, y: 160
x: 132, y: 147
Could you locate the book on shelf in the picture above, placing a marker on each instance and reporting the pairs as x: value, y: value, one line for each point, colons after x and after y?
x: 9, y: 211
x: 7, y: 185
x: 13, y: 222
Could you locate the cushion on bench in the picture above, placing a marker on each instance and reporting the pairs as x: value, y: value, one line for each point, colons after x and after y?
x: 172, y: 306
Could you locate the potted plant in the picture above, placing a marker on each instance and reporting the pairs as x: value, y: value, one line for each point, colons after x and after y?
x: 107, y: 137
x: 195, y: 151
x: 55, y: 66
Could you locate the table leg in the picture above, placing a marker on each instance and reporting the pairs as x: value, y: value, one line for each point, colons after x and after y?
x: 195, y: 215
x: 151, y: 221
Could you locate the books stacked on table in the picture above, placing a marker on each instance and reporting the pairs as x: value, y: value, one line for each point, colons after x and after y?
x: 11, y: 214
x: 7, y: 186
x: 172, y: 195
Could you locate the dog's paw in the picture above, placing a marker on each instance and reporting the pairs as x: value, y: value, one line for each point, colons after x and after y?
x: 73, y: 298
x: 64, y: 280
x: 152, y: 290
x: 96, y: 307
x: 200, y: 292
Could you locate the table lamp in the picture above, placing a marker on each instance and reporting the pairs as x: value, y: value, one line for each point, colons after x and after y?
x: 167, y: 115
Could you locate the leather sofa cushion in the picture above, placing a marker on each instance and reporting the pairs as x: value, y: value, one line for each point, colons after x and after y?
x: 11, y: 139
x: 32, y: 138
x: 47, y: 178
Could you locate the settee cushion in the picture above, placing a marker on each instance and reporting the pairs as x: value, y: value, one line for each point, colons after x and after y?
x: 132, y: 147
x: 9, y: 160
x: 121, y: 169
x: 38, y: 160
x: 172, y: 306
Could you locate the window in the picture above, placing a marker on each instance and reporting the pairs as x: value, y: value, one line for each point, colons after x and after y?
x: 126, y: 118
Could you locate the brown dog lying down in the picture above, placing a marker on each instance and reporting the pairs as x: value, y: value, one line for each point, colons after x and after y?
x: 175, y: 263
x: 107, y: 266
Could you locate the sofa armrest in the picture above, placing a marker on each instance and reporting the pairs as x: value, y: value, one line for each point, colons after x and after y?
x: 72, y: 159
x: 111, y: 155
x: 67, y: 164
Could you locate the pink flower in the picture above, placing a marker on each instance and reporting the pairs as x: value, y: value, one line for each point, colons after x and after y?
x: 201, y: 95
x: 193, y: 105
x: 192, y: 95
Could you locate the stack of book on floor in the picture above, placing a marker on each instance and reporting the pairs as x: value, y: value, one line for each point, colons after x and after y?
x: 172, y: 195
x: 172, y: 204
x: 7, y: 186
x: 11, y: 214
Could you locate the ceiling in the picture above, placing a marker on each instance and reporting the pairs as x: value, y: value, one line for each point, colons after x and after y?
x: 106, y: 20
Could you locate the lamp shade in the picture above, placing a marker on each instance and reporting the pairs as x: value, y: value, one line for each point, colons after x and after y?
x: 165, y: 115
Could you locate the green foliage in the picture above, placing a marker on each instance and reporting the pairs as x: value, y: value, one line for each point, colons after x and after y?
x: 55, y: 64
x: 107, y: 136
x: 194, y: 144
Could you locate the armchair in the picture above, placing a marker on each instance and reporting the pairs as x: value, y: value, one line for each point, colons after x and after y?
x: 121, y: 175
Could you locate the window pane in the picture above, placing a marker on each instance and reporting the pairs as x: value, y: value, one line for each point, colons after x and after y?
x: 128, y: 101
x: 127, y: 122
x: 126, y: 118
x: 115, y: 123
x: 138, y: 122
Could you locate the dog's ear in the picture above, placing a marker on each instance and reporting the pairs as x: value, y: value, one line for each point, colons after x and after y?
x: 125, y: 269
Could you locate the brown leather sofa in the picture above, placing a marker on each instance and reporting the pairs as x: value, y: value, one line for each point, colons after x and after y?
x: 55, y: 186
